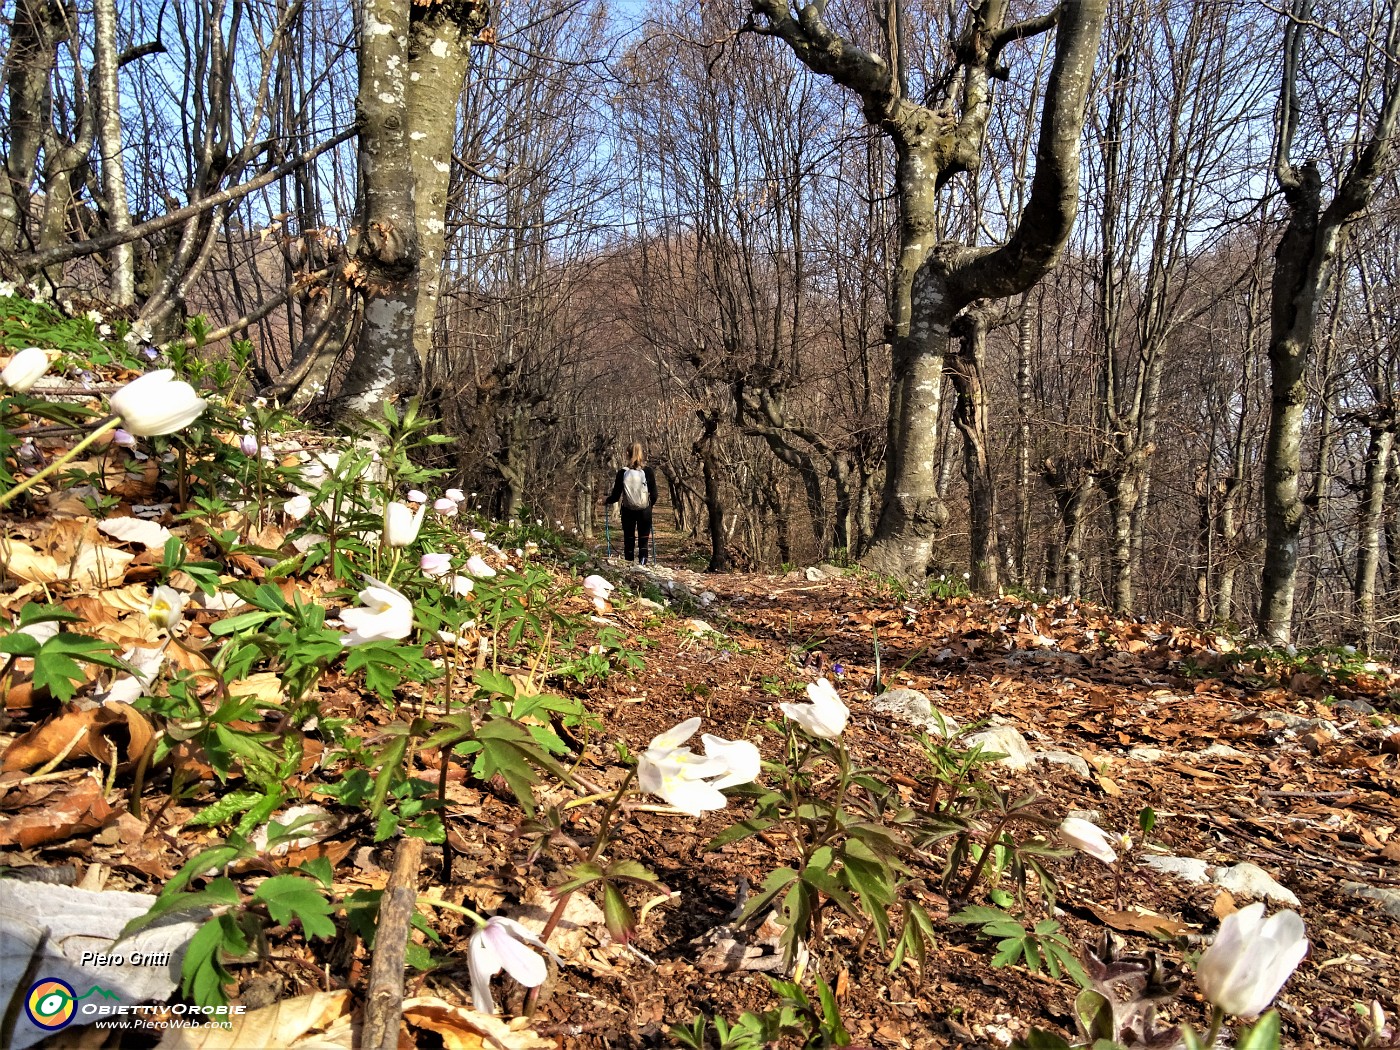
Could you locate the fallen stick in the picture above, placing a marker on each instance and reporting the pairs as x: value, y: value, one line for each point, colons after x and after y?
x: 384, y: 1002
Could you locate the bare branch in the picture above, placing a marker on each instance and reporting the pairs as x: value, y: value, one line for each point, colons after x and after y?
x: 78, y: 249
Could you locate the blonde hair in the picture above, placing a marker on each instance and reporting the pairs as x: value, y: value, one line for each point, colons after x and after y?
x: 636, y: 459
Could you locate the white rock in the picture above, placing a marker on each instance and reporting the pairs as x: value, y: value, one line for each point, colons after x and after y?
x: 1064, y: 758
x: 78, y: 921
x: 1388, y: 899
x: 1147, y: 754
x: 1007, y: 741
x: 913, y: 707
x: 1250, y: 880
x: 1196, y: 872
x: 1219, y: 750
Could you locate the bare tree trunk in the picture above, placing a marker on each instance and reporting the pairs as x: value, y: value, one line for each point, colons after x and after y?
x: 1071, y: 483
x: 1391, y: 527
x: 1368, y: 550
x: 714, y: 502
x: 109, y: 136
x: 1305, y: 263
x: 439, y: 51
x: 1023, y: 445
x: 35, y: 33
x: 385, y: 363
x: 931, y: 283
x: 1204, y: 547
x: 970, y: 418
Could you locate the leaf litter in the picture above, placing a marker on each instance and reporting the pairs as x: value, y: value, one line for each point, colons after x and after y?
x: 1243, y: 756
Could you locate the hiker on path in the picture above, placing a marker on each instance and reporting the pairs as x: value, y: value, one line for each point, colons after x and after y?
x: 635, y: 490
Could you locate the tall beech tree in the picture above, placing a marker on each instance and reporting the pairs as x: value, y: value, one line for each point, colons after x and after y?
x: 413, y: 62
x: 934, y: 141
x: 1305, y: 264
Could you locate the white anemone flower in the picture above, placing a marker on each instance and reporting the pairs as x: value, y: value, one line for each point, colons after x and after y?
x: 476, y: 565
x: 456, y: 495
x: 435, y: 566
x: 25, y: 369
x: 504, y: 944
x: 1251, y: 958
x: 385, y: 616
x: 462, y: 585
x: 597, y: 588
x: 417, y: 496
x: 1088, y: 837
x: 401, y: 524
x: 825, y: 716
x: 446, y: 507
x: 167, y: 608
x: 690, y: 782
x: 157, y: 403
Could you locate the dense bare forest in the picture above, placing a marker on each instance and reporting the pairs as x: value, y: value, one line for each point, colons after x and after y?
x: 1096, y: 299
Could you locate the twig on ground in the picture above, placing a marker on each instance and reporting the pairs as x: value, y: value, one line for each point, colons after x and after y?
x: 384, y: 1002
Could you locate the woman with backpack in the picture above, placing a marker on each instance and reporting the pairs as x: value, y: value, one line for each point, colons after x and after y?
x: 635, y: 490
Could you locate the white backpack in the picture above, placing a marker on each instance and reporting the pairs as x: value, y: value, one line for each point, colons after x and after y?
x: 635, y: 494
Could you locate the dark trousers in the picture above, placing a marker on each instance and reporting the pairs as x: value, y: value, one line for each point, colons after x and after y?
x: 636, y: 525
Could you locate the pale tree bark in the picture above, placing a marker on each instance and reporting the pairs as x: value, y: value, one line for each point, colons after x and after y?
x: 412, y: 63
x: 439, y: 52
x: 122, y: 259
x: 970, y: 418
x: 1390, y: 527
x: 386, y: 264
x: 1305, y: 264
x: 1368, y: 550
x: 1021, y: 567
x: 35, y: 33
x: 932, y: 283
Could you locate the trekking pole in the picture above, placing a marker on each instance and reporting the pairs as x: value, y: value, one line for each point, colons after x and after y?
x: 607, y: 527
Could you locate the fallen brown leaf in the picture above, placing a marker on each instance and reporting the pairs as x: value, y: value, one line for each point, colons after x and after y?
x: 99, y: 733
x: 319, y: 1021
x: 1137, y: 920
x: 79, y: 810
x: 464, y: 1029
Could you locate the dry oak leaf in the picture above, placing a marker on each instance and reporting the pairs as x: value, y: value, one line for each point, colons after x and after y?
x: 461, y: 1028
x: 92, y: 566
x: 100, y: 733
x: 1138, y: 920
x: 319, y: 1021
x: 79, y: 810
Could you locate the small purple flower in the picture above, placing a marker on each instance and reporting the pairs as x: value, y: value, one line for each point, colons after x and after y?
x: 150, y: 352
x: 125, y: 438
x: 249, y: 444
